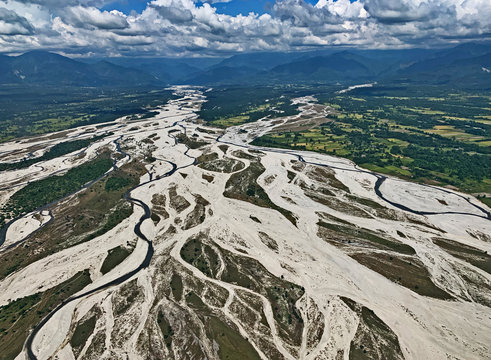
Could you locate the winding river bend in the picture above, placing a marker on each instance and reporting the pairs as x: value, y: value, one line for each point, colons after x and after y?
x: 137, y: 230
x: 4, y: 229
x: 380, y: 180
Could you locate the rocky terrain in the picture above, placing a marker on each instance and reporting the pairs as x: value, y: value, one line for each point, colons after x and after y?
x: 212, y: 248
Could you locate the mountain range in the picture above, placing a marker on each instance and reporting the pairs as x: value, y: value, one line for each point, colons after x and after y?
x: 45, y: 68
x: 466, y: 65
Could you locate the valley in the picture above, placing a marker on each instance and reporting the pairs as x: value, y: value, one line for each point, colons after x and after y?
x: 209, y: 236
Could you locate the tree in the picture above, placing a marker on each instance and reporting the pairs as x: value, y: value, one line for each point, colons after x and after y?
x: 395, y: 150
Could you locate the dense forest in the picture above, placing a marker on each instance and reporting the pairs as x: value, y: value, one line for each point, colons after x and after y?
x: 42, y: 192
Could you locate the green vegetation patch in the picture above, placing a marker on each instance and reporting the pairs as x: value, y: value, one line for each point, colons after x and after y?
x: 244, y: 155
x: 126, y: 296
x: 373, y: 338
x: 166, y: 329
x: 243, y: 186
x: 176, y: 287
x: 159, y: 208
x: 190, y: 143
x: 472, y: 255
x: 354, y: 235
x: 42, y: 192
x: 254, y: 218
x: 114, y: 218
x: 408, y: 272
x: 198, y: 214
x: 327, y: 176
x: 56, y: 151
x: 290, y: 175
x: 231, y: 345
x: 82, y: 333
x: 92, y: 213
x: 21, y: 315
x: 114, y: 183
x: 485, y: 199
x: 268, y: 241
x: 176, y: 201
x: 208, y: 178
x: 115, y: 256
x: 201, y: 256
x: 229, y: 106
x: 333, y: 202
x: 155, y: 218
x: 332, y: 218
x: 367, y: 202
x: 207, y: 157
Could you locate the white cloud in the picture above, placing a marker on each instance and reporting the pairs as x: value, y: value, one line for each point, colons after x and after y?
x: 181, y: 27
x: 13, y: 24
x: 83, y: 17
x: 344, y: 8
x: 216, y: 1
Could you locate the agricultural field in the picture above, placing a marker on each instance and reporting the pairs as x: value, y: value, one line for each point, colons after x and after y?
x: 442, y: 140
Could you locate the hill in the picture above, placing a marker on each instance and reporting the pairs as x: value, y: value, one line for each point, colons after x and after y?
x: 462, y: 66
x: 45, y: 68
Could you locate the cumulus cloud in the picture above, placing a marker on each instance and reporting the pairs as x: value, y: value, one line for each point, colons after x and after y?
x: 184, y: 27
x: 63, y: 3
x: 90, y: 16
x: 174, y: 11
x: 13, y: 24
x: 303, y: 14
x: 403, y: 11
x: 344, y: 8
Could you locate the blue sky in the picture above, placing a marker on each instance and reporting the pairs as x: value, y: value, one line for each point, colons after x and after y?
x: 233, y: 7
x: 127, y: 5
x: 244, y: 7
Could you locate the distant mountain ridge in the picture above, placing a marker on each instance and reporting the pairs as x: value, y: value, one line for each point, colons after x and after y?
x: 338, y: 66
x: 459, y: 66
x: 464, y: 65
x: 168, y: 70
x: 45, y: 68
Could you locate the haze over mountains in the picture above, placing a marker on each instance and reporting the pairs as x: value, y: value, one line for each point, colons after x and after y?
x: 465, y: 65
